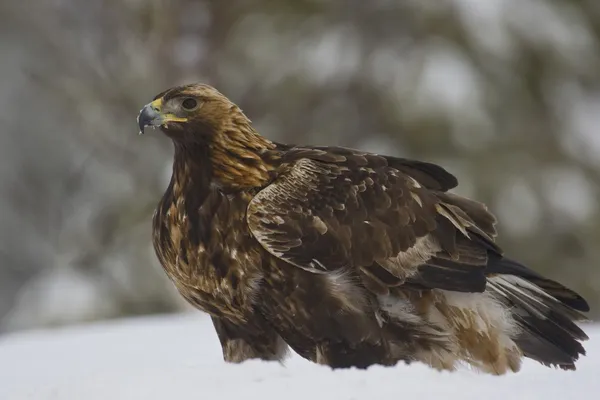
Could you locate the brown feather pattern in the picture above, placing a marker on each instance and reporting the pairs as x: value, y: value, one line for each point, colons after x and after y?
x: 350, y: 258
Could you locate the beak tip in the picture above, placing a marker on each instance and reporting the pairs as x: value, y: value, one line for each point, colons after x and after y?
x: 141, y: 131
x: 147, y: 117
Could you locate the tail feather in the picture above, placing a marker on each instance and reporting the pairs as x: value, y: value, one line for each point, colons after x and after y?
x: 502, y: 265
x: 535, y: 345
x: 548, y: 333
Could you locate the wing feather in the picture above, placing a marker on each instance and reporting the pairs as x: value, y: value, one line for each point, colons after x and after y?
x: 332, y: 208
x: 338, y: 217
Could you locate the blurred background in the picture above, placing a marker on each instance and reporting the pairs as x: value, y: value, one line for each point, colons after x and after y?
x: 504, y: 93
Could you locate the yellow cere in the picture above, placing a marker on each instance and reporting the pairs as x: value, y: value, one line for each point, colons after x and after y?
x: 166, y: 117
x: 157, y: 104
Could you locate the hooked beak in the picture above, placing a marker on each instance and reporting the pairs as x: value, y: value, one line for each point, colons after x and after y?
x: 150, y: 115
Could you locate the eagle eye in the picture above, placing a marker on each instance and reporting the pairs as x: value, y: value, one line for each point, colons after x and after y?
x: 189, y: 104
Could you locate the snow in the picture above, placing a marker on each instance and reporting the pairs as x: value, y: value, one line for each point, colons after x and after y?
x: 179, y: 356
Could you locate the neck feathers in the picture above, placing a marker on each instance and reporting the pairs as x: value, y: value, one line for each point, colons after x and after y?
x: 240, y: 157
x: 235, y: 156
x: 190, y: 167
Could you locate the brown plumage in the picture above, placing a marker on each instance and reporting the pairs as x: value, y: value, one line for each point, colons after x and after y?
x: 350, y: 258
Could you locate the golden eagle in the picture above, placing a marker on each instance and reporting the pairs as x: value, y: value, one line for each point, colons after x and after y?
x: 348, y: 257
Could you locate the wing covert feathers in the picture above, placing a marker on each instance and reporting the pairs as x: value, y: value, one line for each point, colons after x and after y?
x: 328, y: 210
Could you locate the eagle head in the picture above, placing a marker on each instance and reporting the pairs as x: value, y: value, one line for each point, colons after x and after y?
x: 198, y: 116
x: 190, y: 113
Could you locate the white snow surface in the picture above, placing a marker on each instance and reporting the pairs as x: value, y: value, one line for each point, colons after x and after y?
x: 179, y: 357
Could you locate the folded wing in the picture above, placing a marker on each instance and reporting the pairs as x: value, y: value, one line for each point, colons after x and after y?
x: 334, y: 208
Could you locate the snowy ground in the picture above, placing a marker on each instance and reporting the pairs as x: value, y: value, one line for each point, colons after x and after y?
x: 178, y: 357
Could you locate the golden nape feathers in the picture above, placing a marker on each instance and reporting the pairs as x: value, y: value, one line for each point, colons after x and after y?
x: 349, y: 258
